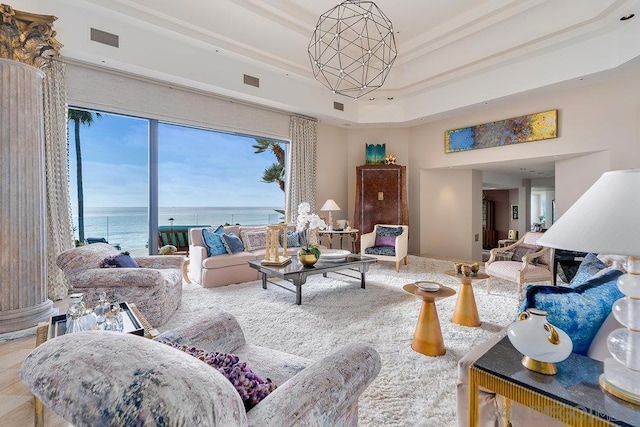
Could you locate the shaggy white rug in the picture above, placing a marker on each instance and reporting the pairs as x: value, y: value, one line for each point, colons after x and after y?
x: 411, y: 389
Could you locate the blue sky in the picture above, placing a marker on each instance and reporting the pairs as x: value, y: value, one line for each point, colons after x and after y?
x: 196, y: 167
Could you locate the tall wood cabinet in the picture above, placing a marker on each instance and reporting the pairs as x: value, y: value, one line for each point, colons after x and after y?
x: 381, y: 196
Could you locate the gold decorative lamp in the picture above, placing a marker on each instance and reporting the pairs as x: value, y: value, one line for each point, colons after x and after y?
x: 605, y: 220
x: 330, y: 205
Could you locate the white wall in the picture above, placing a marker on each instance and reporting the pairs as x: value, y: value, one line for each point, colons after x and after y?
x: 599, y: 122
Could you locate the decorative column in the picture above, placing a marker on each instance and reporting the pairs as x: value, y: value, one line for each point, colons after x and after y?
x: 23, y: 271
x: 27, y: 42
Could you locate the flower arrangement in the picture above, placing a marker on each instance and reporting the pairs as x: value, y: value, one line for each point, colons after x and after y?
x: 308, y: 221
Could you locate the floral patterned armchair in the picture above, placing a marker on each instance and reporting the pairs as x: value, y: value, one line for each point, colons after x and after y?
x: 155, y: 287
x: 107, y: 378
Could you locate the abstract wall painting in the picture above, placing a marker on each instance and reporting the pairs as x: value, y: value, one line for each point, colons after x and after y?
x: 375, y: 154
x: 532, y: 127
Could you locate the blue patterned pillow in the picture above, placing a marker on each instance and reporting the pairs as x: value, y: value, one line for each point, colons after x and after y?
x: 213, y: 241
x: 588, y: 267
x: 232, y: 243
x: 381, y: 250
x: 579, y: 310
x: 294, y: 239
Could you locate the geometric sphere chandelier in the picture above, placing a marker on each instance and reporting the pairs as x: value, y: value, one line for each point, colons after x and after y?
x: 352, y: 48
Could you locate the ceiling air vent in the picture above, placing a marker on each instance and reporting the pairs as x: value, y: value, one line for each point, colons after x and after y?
x: 338, y: 106
x: 105, y: 38
x: 251, y: 81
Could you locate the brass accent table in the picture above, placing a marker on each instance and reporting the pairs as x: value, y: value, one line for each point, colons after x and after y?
x: 466, y: 311
x: 572, y: 396
x: 427, y: 338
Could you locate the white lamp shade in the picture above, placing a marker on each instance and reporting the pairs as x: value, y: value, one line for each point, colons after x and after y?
x: 603, y: 220
x: 330, y: 205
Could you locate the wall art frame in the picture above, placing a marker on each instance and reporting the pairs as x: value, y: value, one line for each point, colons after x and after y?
x: 516, y: 130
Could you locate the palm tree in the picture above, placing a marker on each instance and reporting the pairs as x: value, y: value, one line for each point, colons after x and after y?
x: 275, y: 172
x: 86, y: 118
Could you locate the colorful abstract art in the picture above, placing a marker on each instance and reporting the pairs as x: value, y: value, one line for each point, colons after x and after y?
x: 532, y: 127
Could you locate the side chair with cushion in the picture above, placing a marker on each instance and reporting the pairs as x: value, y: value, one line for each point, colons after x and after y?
x: 153, y: 283
x: 147, y: 382
x: 386, y: 243
x: 529, y: 263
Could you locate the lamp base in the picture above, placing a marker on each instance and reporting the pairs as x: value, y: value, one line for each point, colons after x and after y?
x: 618, y: 392
x: 546, y: 368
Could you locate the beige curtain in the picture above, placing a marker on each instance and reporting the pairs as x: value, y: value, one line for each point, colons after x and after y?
x: 301, y: 173
x: 59, y: 221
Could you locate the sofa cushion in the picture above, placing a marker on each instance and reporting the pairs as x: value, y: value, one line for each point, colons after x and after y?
x: 226, y: 260
x: 522, y: 250
x: 381, y: 250
x: 251, y: 388
x: 213, y: 241
x: 121, y: 260
x: 388, y: 231
x: 579, y: 310
x: 254, y: 239
x: 232, y: 243
x: 589, y: 266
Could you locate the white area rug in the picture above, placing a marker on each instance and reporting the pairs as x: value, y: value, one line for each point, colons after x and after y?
x: 411, y: 389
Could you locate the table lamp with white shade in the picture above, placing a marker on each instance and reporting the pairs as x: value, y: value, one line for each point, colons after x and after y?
x: 604, y: 220
x: 330, y: 205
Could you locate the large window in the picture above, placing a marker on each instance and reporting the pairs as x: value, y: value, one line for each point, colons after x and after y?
x: 204, y: 178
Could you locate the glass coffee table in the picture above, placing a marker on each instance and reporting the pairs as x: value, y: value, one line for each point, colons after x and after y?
x: 297, y: 274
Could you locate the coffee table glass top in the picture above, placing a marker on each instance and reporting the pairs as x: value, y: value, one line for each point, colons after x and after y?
x: 295, y: 267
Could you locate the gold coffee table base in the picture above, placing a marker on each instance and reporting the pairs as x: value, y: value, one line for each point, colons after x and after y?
x: 427, y: 338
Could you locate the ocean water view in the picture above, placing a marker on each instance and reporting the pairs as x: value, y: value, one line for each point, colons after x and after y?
x: 128, y: 226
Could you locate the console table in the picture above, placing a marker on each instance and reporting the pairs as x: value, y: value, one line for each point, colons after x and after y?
x: 572, y: 396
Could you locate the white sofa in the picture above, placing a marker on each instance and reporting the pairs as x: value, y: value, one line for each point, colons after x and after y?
x: 225, y: 269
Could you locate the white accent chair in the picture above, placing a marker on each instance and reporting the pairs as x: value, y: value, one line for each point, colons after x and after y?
x: 395, y: 253
x: 536, y: 263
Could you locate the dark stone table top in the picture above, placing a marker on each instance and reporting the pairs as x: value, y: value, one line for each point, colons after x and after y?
x: 575, y: 384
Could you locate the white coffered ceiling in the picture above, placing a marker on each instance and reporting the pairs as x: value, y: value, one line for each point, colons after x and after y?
x: 452, y: 54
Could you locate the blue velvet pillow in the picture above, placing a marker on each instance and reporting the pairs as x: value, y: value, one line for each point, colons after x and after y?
x: 122, y: 260
x: 213, y: 241
x: 232, y: 243
x: 578, y: 310
x: 588, y: 267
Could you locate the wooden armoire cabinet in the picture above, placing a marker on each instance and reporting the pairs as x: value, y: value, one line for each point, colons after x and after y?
x: 381, y: 196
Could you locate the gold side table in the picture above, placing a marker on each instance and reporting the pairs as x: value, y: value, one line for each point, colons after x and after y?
x: 466, y: 311
x: 427, y: 338
x: 572, y: 396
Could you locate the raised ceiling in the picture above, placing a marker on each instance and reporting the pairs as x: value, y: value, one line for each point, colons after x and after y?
x: 452, y: 54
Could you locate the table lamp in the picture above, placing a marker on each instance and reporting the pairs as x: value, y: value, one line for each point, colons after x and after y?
x: 605, y: 220
x: 330, y: 205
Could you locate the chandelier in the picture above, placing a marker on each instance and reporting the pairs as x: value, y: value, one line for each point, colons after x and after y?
x: 352, y: 48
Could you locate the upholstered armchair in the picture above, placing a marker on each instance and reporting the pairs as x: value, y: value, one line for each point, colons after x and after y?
x: 386, y: 243
x: 528, y: 263
x: 106, y: 378
x: 155, y: 287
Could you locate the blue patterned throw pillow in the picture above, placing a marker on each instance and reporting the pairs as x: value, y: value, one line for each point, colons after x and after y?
x: 213, y: 241
x: 588, y: 267
x: 294, y: 239
x: 232, y: 243
x: 122, y: 260
x: 579, y: 310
